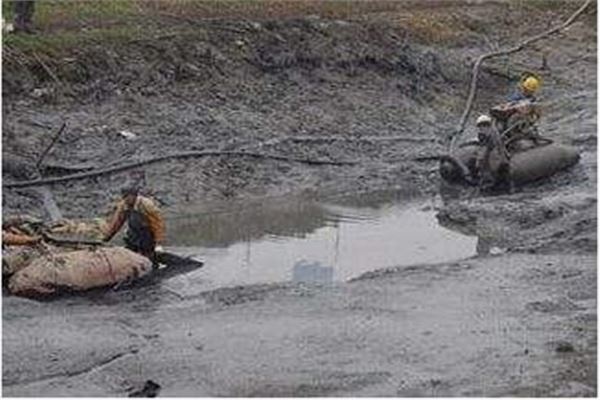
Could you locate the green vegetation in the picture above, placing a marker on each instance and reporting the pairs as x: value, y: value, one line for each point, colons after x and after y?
x: 64, y: 26
x: 51, y: 15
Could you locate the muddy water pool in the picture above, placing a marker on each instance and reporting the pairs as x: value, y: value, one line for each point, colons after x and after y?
x: 310, y: 241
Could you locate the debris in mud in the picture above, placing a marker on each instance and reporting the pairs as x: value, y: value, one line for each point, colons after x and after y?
x: 128, y: 135
x: 562, y: 346
x: 150, y: 389
x: 496, y: 251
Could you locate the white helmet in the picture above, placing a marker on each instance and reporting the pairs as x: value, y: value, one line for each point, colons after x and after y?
x: 483, y: 119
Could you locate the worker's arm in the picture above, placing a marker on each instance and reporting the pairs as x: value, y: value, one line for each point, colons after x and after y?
x: 115, y: 223
x: 15, y: 239
x: 155, y: 220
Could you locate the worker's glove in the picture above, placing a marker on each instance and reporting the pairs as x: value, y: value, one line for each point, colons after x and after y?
x: 158, y: 248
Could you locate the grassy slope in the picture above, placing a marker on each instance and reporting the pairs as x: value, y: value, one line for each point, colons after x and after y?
x: 66, y: 26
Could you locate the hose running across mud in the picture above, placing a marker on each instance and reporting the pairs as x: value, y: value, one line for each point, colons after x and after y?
x: 153, y: 160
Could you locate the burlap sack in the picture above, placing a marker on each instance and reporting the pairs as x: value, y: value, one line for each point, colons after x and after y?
x: 93, y: 229
x: 78, y: 270
x: 15, y: 258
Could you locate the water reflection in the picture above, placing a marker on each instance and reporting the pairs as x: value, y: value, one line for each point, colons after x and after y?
x: 292, y: 218
x: 308, y: 241
x: 305, y: 271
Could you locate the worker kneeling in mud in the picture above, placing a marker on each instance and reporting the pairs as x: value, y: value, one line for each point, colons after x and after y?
x: 145, y: 225
x: 491, y: 165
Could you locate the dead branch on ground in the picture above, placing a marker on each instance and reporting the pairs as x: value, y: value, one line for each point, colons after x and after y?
x: 38, y: 164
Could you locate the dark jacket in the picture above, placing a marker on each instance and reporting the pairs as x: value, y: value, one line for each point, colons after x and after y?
x: 519, y: 96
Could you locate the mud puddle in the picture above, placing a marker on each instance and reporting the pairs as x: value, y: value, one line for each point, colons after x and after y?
x: 311, y: 241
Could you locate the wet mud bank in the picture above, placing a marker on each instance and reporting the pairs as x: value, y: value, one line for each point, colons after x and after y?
x: 515, y: 316
x: 517, y: 325
x: 316, y: 88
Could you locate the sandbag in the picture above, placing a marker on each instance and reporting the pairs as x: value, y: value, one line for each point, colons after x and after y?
x: 525, y: 166
x: 15, y: 258
x: 92, y: 229
x: 541, y: 162
x: 20, y: 220
x: 78, y: 270
x: 17, y: 239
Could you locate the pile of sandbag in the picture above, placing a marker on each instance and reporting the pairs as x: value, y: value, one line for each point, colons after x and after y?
x: 93, y: 229
x: 15, y: 258
x: 78, y: 270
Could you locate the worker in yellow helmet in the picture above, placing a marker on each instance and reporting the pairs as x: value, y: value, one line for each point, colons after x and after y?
x: 527, y: 89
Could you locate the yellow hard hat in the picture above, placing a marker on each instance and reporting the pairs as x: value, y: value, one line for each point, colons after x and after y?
x: 531, y: 84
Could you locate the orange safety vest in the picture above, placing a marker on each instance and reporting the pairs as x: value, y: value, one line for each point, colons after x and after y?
x: 145, y: 206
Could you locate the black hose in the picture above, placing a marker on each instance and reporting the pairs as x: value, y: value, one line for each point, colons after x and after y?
x: 185, y: 154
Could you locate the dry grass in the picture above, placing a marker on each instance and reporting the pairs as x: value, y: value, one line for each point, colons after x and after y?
x: 67, y: 26
x: 430, y: 27
x: 60, y: 15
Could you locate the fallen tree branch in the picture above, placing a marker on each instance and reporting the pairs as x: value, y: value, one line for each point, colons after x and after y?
x: 154, y: 160
x: 511, y: 50
x: 47, y: 198
x: 50, y: 145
